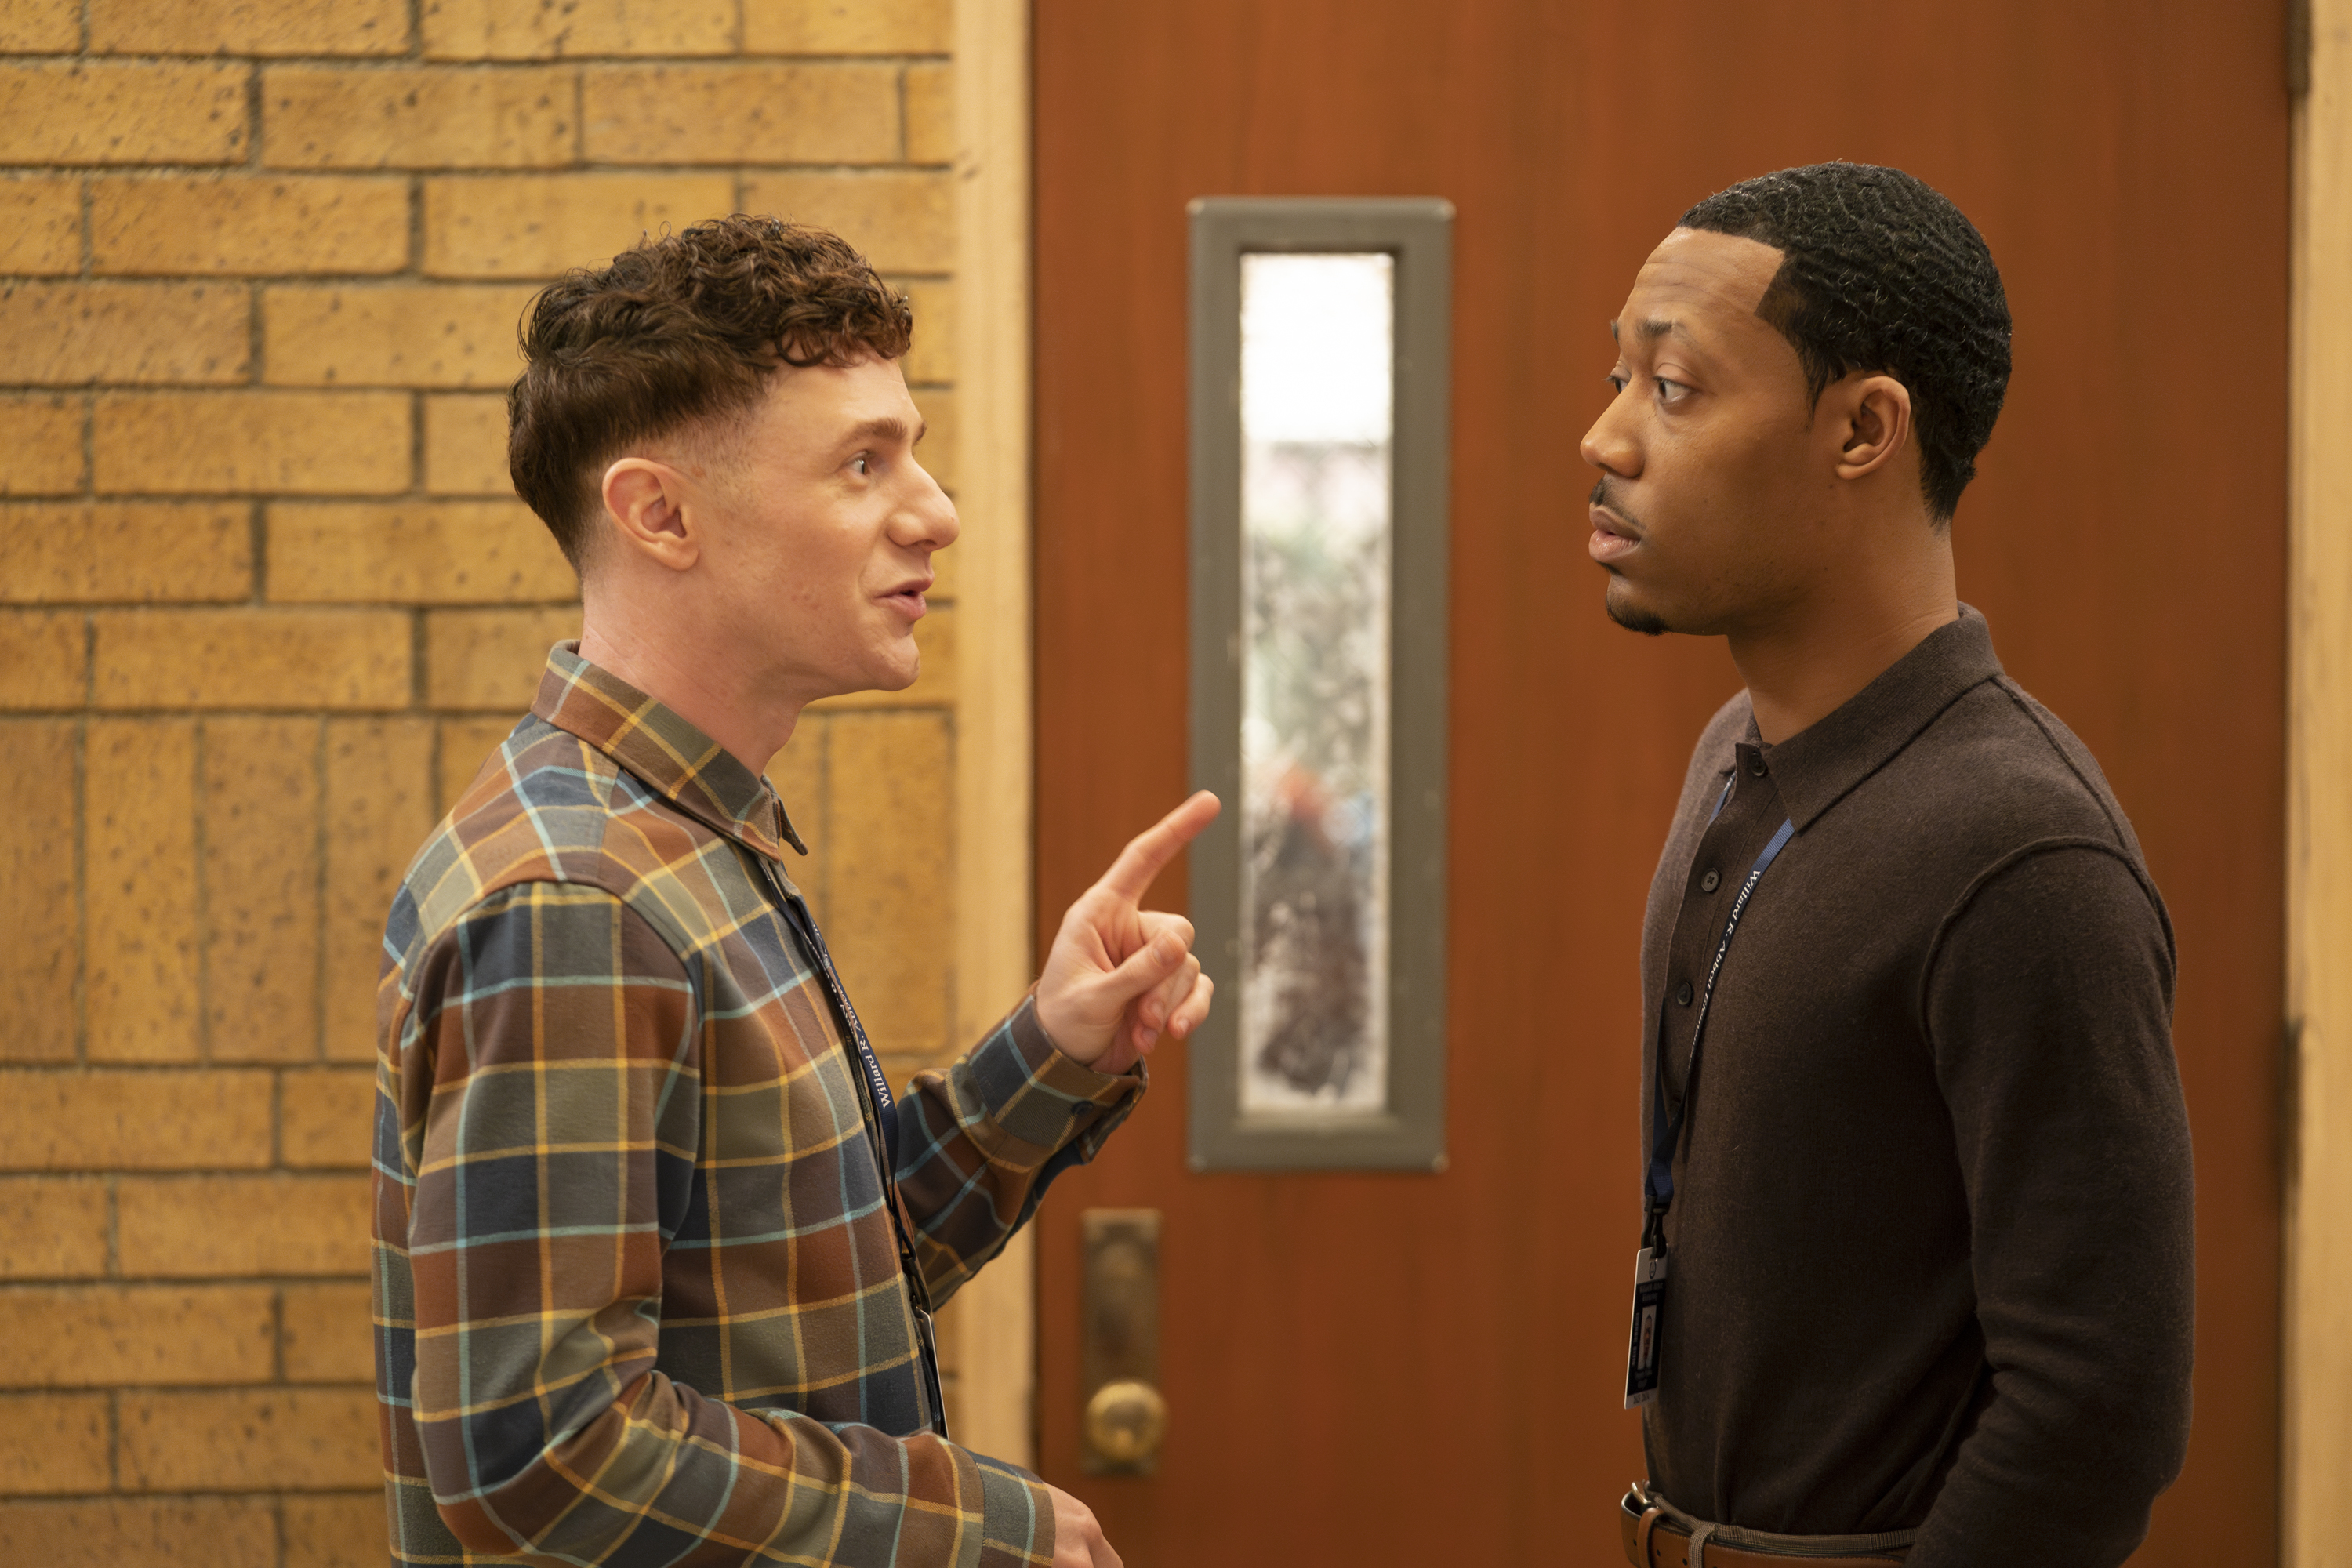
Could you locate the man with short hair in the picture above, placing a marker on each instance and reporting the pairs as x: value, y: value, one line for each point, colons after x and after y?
x: 1916, y: 1278
x: 656, y: 1245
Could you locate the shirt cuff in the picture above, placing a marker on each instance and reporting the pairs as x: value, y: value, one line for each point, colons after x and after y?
x: 1017, y: 1514
x: 1044, y: 1099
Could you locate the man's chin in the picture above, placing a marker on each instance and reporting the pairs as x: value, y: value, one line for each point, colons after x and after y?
x: 897, y: 678
x: 1631, y: 616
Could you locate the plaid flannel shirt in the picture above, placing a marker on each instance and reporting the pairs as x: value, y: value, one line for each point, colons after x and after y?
x: 638, y: 1298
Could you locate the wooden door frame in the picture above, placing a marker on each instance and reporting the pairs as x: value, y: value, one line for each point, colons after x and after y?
x: 992, y: 1324
x: 2317, y: 1444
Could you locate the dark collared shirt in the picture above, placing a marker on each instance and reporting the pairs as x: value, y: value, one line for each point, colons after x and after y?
x: 1931, y: 1243
x: 638, y: 1295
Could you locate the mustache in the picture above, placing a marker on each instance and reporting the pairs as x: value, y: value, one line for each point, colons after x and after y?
x: 1605, y: 493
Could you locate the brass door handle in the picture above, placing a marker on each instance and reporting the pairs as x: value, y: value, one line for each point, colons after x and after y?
x: 1126, y: 1417
x: 1126, y: 1420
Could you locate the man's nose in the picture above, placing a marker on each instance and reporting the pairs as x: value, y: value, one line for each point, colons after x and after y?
x: 1609, y: 445
x: 930, y: 518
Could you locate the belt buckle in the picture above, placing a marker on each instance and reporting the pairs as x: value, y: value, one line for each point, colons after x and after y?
x: 1641, y: 1524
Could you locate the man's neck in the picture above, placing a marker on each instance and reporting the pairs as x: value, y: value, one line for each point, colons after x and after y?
x: 1802, y: 667
x: 708, y: 693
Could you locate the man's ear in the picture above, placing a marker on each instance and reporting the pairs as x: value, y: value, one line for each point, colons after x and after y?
x: 646, y: 508
x: 1875, y: 425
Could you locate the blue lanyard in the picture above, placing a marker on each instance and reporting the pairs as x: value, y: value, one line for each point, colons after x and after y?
x: 1666, y: 1132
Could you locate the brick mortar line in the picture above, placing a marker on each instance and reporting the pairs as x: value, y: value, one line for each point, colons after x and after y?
x: 62, y: 1069
x: 433, y: 758
x: 64, y: 606
x: 323, y: 849
x: 122, y: 1493
x: 414, y: 270
x: 208, y: 388
x: 273, y: 1282
x: 823, y: 706
x: 293, y: 1177
x: 289, y: 497
x: 281, y: 1497
x: 80, y: 990
x: 420, y: 663
x: 94, y: 607
x: 66, y: 388
x: 89, y: 485
x: 20, y: 280
x: 395, y: 61
x: 199, y: 844
x: 138, y: 1390
x: 257, y: 541
x: 176, y: 169
x: 369, y: 711
x: 253, y: 108
x: 307, y: 1172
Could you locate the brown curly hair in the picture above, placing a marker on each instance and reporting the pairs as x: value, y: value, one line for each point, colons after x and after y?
x: 680, y: 331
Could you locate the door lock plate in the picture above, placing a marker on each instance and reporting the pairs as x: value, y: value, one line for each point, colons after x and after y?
x: 1126, y: 1417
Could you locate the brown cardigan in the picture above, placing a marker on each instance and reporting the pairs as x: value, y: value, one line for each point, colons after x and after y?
x: 1931, y: 1242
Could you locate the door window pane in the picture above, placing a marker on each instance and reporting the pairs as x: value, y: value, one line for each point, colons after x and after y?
x: 1318, y: 410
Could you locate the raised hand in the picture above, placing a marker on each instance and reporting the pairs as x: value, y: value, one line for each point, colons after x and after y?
x: 1120, y: 975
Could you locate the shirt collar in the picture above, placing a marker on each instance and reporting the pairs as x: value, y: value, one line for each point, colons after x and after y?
x: 687, y: 767
x: 1814, y: 769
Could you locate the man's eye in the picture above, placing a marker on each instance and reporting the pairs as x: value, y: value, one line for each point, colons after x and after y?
x: 1670, y: 391
x: 862, y: 464
x: 1616, y: 382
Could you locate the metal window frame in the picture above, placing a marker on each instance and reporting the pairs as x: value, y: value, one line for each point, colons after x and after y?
x: 1417, y: 231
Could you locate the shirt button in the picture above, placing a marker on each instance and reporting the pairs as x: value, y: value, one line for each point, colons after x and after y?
x: 1708, y: 883
x: 1757, y: 767
x: 1682, y: 995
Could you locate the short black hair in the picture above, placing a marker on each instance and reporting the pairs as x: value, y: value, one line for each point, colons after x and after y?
x: 1882, y: 274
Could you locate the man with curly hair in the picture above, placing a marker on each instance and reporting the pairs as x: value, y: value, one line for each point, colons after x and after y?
x: 1915, y: 1277
x: 656, y: 1245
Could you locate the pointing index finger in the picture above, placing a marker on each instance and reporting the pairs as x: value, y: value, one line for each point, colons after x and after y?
x: 1149, y: 852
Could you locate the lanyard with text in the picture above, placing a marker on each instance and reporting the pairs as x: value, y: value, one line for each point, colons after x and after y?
x: 1666, y: 1135
x: 878, y: 1100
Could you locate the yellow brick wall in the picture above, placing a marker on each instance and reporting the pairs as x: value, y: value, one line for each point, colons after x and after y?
x: 266, y: 600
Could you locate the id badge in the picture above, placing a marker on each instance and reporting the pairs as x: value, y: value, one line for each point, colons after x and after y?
x: 1642, y: 1352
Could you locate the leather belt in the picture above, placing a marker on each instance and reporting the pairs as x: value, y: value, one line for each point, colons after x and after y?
x: 1653, y: 1539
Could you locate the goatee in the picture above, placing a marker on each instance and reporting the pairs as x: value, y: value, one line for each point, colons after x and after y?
x: 1632, y: 619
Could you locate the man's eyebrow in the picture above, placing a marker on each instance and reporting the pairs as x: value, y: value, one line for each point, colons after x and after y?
x: 1650, y: 331
x: 883, y: 428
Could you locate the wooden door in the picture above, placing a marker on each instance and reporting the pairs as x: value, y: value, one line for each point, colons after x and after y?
x: 1399, y: 1369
